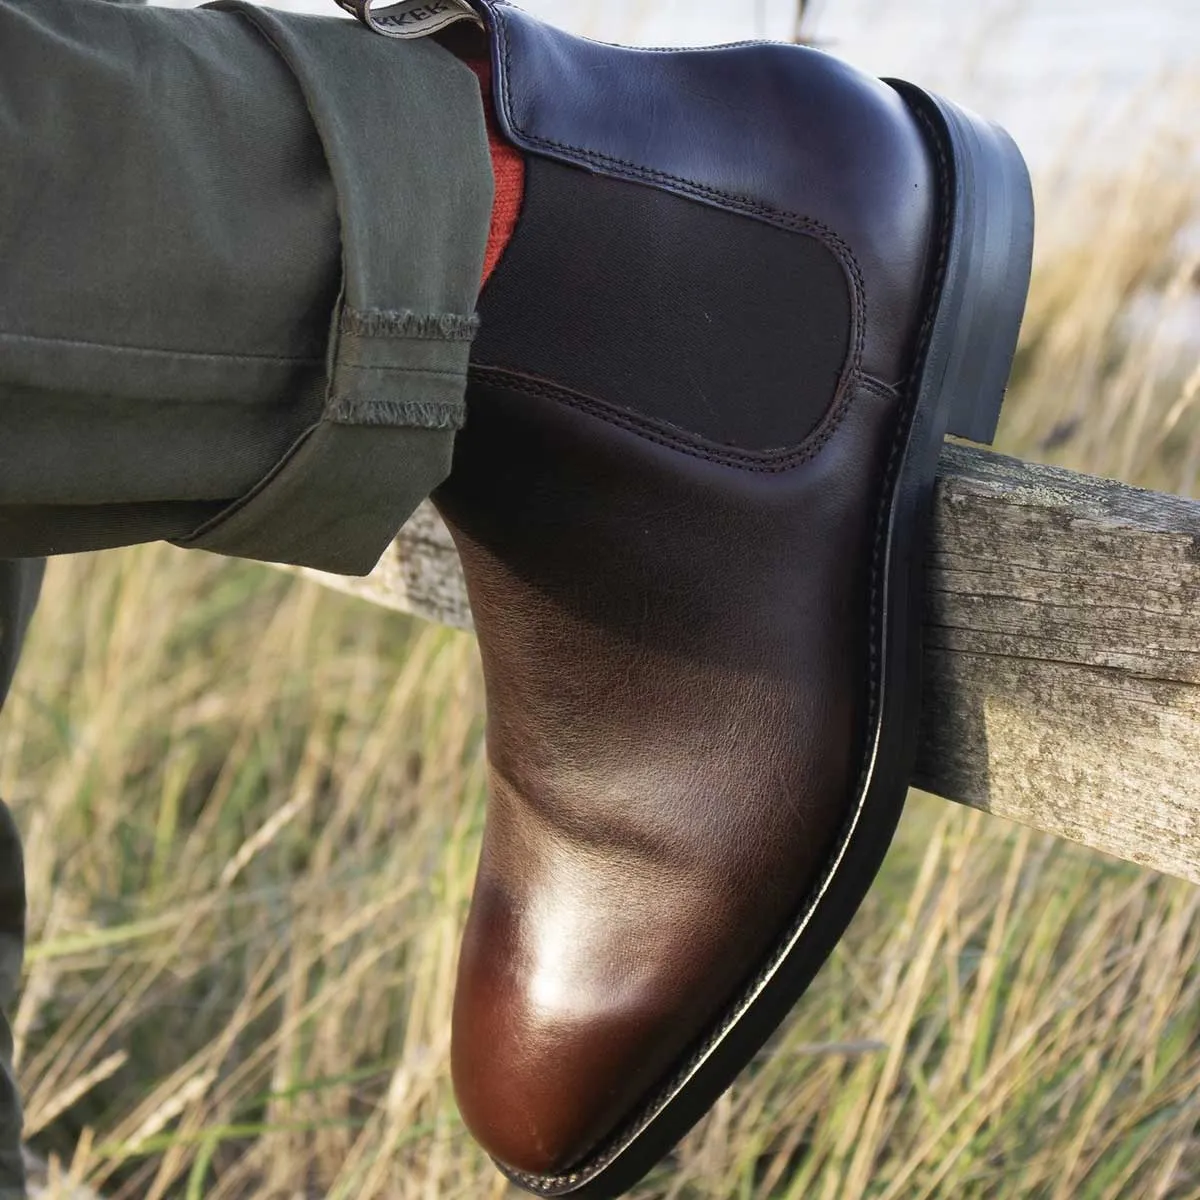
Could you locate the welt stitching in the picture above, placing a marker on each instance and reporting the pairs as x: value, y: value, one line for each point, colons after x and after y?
x: 899, y: 439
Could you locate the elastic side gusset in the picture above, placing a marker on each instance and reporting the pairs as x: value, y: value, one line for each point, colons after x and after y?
x: 640, y: 297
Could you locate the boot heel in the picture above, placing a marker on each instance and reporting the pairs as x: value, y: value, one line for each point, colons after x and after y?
x: 975, y: 415
x: 989, y: 253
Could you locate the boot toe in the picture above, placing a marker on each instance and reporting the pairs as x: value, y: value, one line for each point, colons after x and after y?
x: 541, y: 1094
x: 568, y: 1015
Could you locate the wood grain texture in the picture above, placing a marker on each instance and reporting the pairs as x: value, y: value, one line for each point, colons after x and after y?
x: 1062, y: 651
x: 1062, y: 657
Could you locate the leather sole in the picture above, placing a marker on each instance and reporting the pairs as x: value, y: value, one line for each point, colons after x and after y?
x: 975, y: 305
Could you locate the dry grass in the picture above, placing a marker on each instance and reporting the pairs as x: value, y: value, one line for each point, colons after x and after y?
x: 1108, y: 375
x: 252, y: 810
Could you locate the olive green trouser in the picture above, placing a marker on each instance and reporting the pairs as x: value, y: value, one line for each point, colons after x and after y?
x: 239, y: 258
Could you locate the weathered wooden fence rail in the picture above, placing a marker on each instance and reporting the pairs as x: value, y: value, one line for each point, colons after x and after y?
x: 1062, y: 651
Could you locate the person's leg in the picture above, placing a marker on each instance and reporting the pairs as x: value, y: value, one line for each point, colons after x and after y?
x: 241, y: 257
x: 12, y: 947
x: 20, y: 583
x: 241, y: 253
x: 749, y: 291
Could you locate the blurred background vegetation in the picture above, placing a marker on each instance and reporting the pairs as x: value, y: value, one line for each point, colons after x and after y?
x: 252, y: 810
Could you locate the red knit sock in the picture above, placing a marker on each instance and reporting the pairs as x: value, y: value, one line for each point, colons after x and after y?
x: 508, y: 169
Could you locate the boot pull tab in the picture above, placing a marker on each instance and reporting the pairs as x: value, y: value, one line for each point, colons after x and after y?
x: 411, y: 18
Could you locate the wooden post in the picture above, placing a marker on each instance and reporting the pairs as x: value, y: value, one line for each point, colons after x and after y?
x: 1062, y: 650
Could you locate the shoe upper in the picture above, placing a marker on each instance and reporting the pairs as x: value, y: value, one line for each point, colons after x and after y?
x: 783, y: 134
x: 684, y: 404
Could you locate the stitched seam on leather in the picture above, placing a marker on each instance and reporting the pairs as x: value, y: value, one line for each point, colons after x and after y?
x: 623, y: 1137
x: 701, y: 49
x: 681, y: 49
x: 884, y: 390
x: 494, y: 8
x: 631, y: 170
x: 765, y: 462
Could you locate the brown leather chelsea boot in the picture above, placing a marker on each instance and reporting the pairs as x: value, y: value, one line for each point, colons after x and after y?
x: 749, y: 292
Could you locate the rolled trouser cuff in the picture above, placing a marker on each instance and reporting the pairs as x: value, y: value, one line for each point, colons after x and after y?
x: 338, y: 498
x: 263, y: 247
x: 412, y: 259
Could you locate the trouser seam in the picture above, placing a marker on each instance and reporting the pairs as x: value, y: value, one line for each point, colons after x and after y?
x: 152, y: 352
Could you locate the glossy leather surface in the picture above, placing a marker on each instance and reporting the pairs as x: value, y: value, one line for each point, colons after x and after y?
x: 675, y: 634
x: 674, y: 650
x: 646, y: 297
x: 784, y: 133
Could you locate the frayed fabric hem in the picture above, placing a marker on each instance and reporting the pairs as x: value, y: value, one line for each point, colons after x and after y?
x: 419, y: 414
x: 378, y: 322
